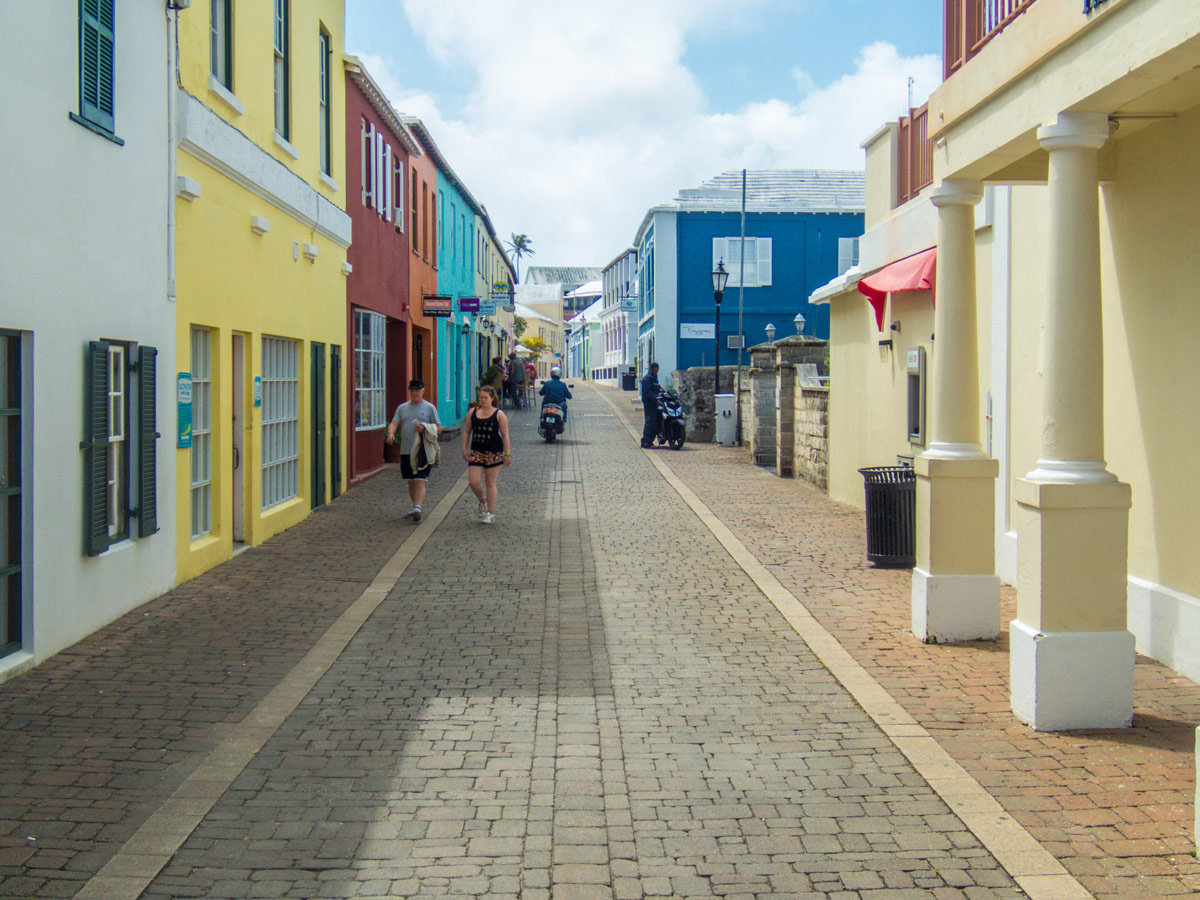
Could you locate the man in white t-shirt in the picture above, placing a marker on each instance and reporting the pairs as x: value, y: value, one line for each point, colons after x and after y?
x: 411, y: 418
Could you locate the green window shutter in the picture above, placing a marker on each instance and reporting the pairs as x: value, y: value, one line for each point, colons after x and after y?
x: 97, y: 61
x: 335, y: 420
x: 95, y: 445
x: 147, y: 463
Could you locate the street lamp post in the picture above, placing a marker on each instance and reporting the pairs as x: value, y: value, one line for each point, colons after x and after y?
x: 799, y: 320
x: 719, y: 278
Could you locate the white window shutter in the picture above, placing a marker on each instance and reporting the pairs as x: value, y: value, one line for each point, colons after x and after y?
x: 398, y: 200
x: 367, y: 142
x: 385, y: 209
x: 720, y: 252
x: 764, y: 262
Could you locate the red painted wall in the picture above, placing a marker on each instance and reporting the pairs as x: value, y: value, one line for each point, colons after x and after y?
x: 381, y: 280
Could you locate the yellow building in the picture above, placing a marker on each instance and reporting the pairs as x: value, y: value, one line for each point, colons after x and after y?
x: 492, y: 269
x: 261, y: 238
x: 1061, y: 427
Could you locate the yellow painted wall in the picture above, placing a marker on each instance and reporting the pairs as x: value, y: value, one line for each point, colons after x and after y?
x: 868, y: 388
x: 1150, y: 230
x: 230, y: 279
x: 254, y: 85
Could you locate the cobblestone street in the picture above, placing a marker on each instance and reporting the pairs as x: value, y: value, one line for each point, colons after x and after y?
x: 612, y: 692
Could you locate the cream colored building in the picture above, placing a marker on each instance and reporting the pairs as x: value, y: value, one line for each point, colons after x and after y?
x: 1060, y: 419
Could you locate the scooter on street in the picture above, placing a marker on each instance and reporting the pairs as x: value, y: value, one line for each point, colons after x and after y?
x: 671, y: 430
x: 552, y: 422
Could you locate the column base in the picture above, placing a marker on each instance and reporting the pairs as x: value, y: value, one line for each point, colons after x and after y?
x: 950, y: 608
x: 1064, y: 681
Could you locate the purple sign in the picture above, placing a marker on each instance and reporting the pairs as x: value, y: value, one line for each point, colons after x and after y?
x: 468, y: 304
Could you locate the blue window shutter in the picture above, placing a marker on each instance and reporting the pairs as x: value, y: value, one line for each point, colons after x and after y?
x: 95, y: 446
x: 147, y: 463
x: 97, y: 61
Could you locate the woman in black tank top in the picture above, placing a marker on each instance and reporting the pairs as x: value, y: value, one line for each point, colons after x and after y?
x: 486, y: 448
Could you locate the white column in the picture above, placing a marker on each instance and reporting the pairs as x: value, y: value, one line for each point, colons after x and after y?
x: 955, y: 591
x: 1072, y: 657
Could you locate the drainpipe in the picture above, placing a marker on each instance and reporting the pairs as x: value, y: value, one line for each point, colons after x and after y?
x: 173, y: 7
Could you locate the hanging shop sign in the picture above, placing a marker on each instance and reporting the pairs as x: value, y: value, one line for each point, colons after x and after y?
x: 468, y: 304
x: 437, y: 306
x: 487, y: 308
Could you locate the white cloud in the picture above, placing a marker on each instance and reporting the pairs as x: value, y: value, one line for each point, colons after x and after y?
x: 582, y: 116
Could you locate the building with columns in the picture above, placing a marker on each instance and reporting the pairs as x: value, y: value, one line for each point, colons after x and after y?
x: 1053, y: 445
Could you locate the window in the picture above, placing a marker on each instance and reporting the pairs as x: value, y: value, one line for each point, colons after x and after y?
x: 370, y: 372
x: 323, y: 43
x: 416, y: 246
x: 280, y: 420
x: 758, y: 260
x: 120, y: 439
x: 220, y: 52
x: 201, y: 432
x: 367, y: 154
x: 11, y: 483
x: 282, y: 71
x: 397, y: 213
x: 847, y: 254
x: 97, y: 64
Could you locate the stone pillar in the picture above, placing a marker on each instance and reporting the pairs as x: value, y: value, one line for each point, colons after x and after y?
x: 955, y: 591
x: 785, y: 420
x: 1072, y: 656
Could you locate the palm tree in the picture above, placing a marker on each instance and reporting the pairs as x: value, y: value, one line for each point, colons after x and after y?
x: 519, y: 246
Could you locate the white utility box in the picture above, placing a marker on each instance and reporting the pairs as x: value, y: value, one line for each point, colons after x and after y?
x: 726, y: 420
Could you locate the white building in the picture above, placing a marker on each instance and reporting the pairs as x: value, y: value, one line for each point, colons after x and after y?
x: 583, y: 342
x: 618, y: 318
x: 87, y: 323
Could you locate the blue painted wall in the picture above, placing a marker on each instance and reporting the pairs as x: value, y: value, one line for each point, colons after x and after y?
x: 456, y: 278
x: 804, y: 256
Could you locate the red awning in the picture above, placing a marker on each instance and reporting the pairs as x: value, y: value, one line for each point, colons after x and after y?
x: 913, y: 273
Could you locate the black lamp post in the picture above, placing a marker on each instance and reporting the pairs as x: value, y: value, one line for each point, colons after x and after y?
x: 719, y: 277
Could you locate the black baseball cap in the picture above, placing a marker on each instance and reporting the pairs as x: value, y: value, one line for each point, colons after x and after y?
x: 416, y: 384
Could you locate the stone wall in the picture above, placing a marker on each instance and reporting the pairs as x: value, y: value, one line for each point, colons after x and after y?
x: 812, y: 436
x: 694, y: 387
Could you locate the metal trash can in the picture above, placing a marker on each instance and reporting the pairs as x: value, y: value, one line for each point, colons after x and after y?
x: 628, y: 381
x: 891, y: 515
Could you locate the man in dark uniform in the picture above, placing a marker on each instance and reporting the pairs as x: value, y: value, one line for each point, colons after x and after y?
x: 650, y: 391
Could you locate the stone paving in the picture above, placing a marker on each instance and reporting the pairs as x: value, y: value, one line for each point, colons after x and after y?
x: 588, y: 699
x: 1115, y: 807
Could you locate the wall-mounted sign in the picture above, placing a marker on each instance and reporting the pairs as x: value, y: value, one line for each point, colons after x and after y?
x: 468, y: 304
x: 509, y: 307
x: 697, y: 330
x: 734, y: 342
x: 487, y: 308
x: 628, y: 304
x: 437, y: 306
x: 257, y: 390
x: 183, y: 401
x: 499, y: 296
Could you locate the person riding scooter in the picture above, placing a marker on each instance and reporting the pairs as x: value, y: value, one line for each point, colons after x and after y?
x: 554, y: 391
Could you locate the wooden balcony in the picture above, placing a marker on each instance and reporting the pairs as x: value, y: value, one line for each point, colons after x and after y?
x: 914, y: 157
x: 968, y: 25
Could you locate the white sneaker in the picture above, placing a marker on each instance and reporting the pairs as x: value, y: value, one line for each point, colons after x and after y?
x: 487, y: 518
x: 481, y: 509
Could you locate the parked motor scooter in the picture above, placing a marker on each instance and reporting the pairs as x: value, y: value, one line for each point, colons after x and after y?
x: 671, y: 430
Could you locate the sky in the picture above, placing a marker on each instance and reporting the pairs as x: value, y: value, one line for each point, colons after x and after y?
x: 569, y: 119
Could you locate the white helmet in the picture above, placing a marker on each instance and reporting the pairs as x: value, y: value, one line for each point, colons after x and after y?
x: 555, y: 372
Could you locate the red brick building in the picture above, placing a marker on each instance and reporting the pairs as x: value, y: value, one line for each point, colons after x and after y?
x: 379, y: 316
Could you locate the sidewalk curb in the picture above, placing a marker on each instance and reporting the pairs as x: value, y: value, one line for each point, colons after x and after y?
x: 140, y: 859
x: 1035, y: 870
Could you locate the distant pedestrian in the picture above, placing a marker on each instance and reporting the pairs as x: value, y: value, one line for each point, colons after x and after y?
x: 414, y: 418
x: 506, y: 386
x: 650, y: 392
x: 485, y: 447
x: 518, y: 380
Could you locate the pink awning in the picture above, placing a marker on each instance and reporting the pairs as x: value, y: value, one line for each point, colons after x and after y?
x: 913, y: 273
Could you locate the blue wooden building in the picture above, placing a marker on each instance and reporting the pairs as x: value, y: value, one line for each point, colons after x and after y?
x: 800, y: 228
